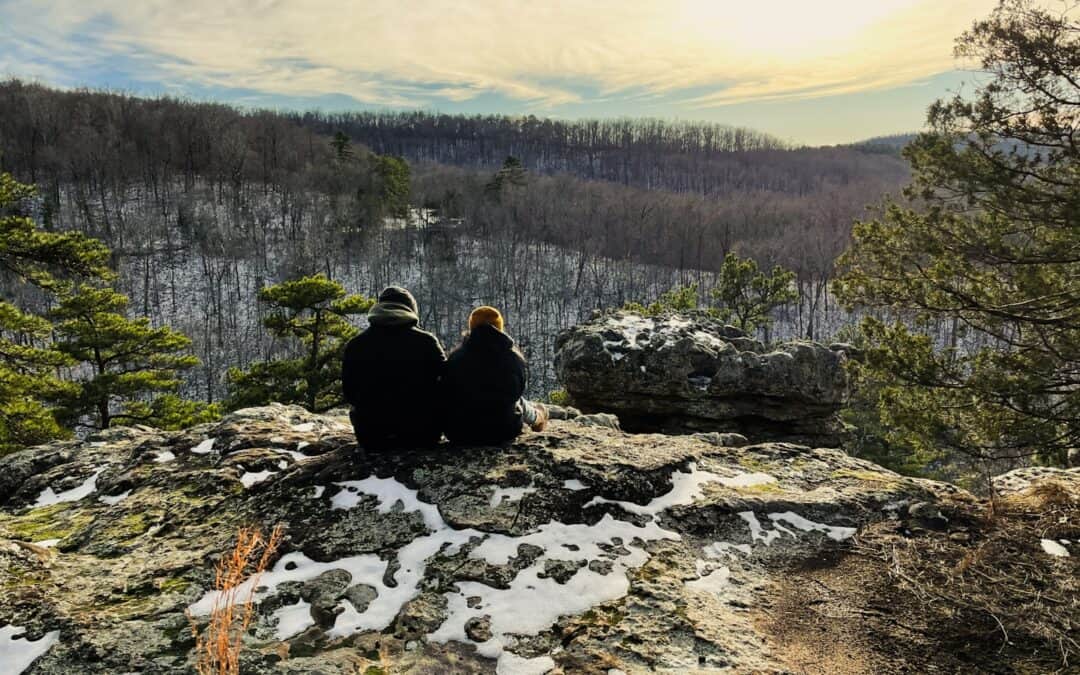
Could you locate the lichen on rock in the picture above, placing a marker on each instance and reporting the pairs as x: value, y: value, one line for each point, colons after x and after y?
x: 582, y: 547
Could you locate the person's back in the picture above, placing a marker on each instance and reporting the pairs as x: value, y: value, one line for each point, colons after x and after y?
x: 483, y: 385
x: 390, y: 376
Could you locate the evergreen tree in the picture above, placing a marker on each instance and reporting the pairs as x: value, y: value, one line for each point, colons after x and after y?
x: 125, y: 362
x: 28, y: 363
x: 746, y: 296
x: 314, y: 311
x: 989, y: 244
x: 678, y: 299
x: 392, y: 175
x: 512, y: 174
x: 27, y: 380
x: 342, y: 145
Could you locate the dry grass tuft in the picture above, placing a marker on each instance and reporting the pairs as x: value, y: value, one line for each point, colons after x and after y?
x: 218, y: 645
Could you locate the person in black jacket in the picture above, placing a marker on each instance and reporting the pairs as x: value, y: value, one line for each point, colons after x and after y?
x: 390, y: 376
x: 483, y: 386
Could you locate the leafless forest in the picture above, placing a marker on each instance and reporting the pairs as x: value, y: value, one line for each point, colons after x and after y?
x: 203, y: 204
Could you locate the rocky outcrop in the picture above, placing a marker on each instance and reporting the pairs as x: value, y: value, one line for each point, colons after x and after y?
x: 582, y: 549
x: 688, y: 372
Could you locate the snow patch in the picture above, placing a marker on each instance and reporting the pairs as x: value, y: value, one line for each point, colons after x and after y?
x: 319, y: 490
x: 511, y: 494
x: 304, y: 428
x: 574, y: 484
x: 87, y: 487
x: 204, y: 447
x: 47, y: 543
x: 714, y: 582
x: 1053, y: 548
x: 685, y: 488
x: 17, y: 653
x: 834, y: 532
x: 722, y: 549
x: 250, y: 478
x: 758, y: 533
x: 388, y: 492
x: 293, y: 619
x: 114, y: 499
x: 512, y: 664
x: 164, y: 456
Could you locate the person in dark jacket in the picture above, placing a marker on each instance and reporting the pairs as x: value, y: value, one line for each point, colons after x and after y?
x: 390, y: 376
x: 483, y: 386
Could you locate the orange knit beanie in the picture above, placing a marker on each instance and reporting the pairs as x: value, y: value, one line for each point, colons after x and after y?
x: 485, y: 316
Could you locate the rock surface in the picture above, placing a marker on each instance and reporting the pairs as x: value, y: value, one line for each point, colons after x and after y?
x: 680, y: 373
x: 578, y: 550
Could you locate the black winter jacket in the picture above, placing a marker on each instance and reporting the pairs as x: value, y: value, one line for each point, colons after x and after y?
x: 390, y: 376
x: 484, y: 380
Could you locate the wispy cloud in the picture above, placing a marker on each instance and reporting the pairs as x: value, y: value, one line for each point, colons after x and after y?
x: 544, y: 53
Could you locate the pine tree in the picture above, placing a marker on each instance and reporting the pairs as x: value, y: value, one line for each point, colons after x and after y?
x: 989, y: 244
x: 342, y: 145
x: 315, y: 311
x: 511, y: 175
x: 28, y: 380
x: 28, y: 363
x: 746, y: 296
x: 129, y: 369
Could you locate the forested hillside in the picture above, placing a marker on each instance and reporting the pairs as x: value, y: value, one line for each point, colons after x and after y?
x: 204, y: 204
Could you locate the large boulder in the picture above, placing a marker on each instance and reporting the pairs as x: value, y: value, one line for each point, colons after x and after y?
x: 689, y: 372
x: 582, y: 549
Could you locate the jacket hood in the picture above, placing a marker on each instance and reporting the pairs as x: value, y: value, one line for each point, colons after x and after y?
x: 489, y: 337
x: 399, y: 296
x: 392, y: 314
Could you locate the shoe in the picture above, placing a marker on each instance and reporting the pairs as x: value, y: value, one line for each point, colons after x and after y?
x: 542, y: 417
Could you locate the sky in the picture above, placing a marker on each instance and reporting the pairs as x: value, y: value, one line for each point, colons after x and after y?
x: 809, y: 71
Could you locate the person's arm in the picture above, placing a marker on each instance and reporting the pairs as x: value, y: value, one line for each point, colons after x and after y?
x: 350, y: 372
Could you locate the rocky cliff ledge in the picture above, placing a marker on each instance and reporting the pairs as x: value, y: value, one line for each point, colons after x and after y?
x: 687, y: 372
x: 578, y: 550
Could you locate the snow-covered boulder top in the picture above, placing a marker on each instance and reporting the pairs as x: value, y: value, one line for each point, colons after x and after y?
x: 690, y: 372
x: 582, y: 549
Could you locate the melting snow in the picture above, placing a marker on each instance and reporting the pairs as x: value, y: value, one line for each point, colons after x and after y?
x: 833, y: 532
x: 305, y: 427
x: 296, y: 456
x: 511, y: 494
x: 47, y: 543
x: 293, y: 619
x: 714, y: 582
x: 685, y: 488
x: 164, y: 456
x: 574, y: 484
x: 204, y: 448
x: 388, y: 491
x: 757, y: 533
x: 17, y: 653
x: 319, y: 490
x: 254, y: 477
x: 512, y: 664
x: 722, y: 549
x: 529, y: 605
x: 301, y: 445
x: 87, y: 487
x: 114, y: 499
x: 1053, y: 548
